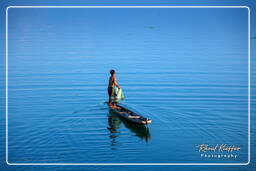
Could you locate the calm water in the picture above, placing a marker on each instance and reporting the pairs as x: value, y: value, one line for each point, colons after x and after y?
x: 193, y: 84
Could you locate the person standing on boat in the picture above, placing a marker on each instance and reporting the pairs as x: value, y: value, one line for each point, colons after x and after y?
x: 111, y: 84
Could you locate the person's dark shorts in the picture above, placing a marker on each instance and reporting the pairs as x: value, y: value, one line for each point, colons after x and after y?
x: 110, y: 91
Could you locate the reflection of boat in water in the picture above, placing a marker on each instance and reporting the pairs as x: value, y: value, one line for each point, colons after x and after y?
x: 115, y: 121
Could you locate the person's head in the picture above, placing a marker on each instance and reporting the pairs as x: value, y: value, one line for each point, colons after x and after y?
x: 112, y: 72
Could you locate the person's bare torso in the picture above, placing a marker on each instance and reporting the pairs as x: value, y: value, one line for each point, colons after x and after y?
x: 111, y: 81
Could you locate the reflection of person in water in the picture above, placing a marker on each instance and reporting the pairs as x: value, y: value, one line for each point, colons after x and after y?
x: 114, y: 122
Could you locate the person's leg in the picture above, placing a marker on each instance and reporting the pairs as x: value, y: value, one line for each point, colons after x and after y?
x: 114, y: 101
x: 109, y: 96
x: 109, y: 102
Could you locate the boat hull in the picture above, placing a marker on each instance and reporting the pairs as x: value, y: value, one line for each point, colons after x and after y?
x: 130, y: 115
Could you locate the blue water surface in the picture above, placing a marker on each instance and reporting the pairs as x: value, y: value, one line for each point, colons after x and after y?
x: 186, y: 69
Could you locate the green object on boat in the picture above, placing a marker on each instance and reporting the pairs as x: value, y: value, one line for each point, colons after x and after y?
x: 119, y: 94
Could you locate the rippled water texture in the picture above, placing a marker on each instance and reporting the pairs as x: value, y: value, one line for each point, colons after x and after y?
x: 186, y: 69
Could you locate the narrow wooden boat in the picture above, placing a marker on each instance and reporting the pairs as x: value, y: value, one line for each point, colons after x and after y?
x: 130, y: 115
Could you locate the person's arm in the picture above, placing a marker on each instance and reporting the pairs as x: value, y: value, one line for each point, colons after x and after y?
x: 115, y: 83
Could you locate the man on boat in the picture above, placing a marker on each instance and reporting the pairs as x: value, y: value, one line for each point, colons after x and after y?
x: 111, y: 84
